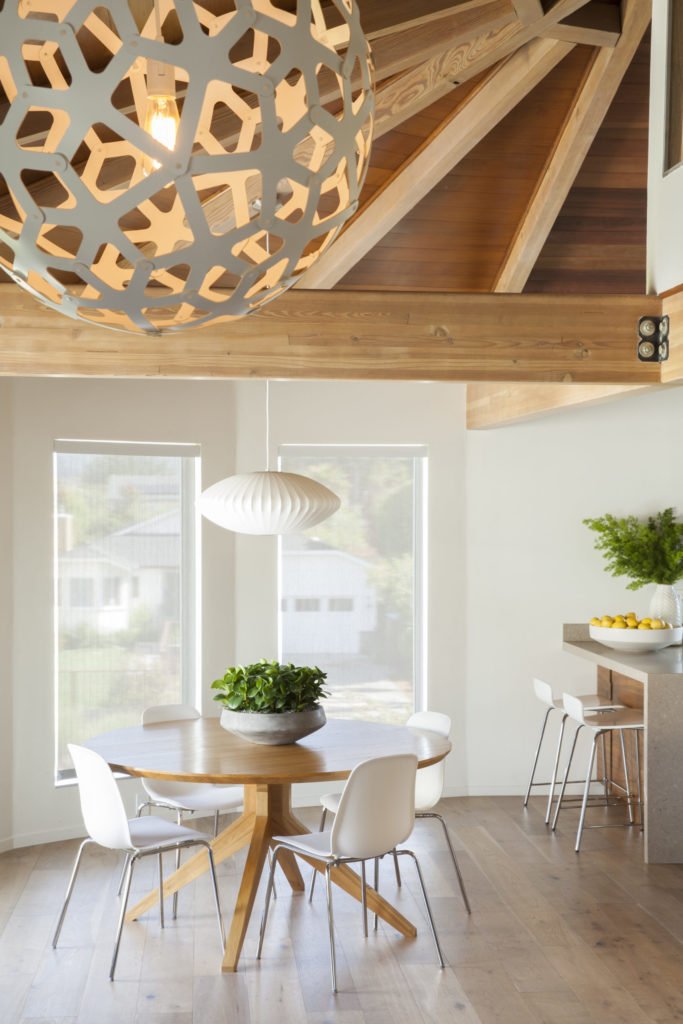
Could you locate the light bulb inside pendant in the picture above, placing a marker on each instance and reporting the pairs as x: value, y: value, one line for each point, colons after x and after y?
x: 161, y: 114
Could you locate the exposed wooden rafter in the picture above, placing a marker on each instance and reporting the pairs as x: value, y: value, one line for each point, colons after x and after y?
x: 528, y: 10
x: 587, y: 112
x: 456, y: 136
x: 494, y: 405
x: 350, y: 335
x: 596, y: 24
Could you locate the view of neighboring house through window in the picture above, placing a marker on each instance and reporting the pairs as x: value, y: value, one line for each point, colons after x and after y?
x: 351, y: 588
x: 125, y: 560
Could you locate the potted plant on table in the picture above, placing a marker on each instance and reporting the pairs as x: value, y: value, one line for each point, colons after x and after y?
x: 648, y: 551
x: 269, y: 702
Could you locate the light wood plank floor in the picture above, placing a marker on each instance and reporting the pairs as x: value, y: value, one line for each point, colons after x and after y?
x: 553, y: 938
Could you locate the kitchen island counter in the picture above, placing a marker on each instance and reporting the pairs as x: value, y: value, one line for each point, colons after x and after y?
x: 656, y: 679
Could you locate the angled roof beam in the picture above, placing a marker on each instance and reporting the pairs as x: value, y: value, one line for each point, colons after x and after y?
x: 454, y: 138
x: 596, y: 24
x: 528, y: 10
x: 587, y: 112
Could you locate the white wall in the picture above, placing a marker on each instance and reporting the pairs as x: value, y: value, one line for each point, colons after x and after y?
x: 96, y: 410
x: 531, y: 562
x: 6, y: 573
x: 664, y: 190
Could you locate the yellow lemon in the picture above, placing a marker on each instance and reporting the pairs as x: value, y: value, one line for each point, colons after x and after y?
x: 595, y: 621
x: 606, y: 620
x: 644, y: 625
x: 619, y: 625
x: 656, y: 624
x: 632, y: 625
x: 647, y: 621
x: 631, y: 615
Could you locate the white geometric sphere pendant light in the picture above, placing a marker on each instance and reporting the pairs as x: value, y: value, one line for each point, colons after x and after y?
x: 165, y: 163
x: 268, y: 503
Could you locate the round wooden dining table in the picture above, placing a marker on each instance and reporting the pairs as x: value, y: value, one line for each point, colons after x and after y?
x: 200, y: 750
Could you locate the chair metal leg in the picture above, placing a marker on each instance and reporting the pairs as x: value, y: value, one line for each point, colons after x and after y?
x: 461, y: 882
x: 397, y: 870
x: 315, y: 873
x: 126, y: 858
x: 214, y: 883
x: 161, y: 890
x: 69, y: 890
x: 364, y: 898
x: 637, y: 733
x: 553, y: 779
x: 560, y: 798
x: 122, y: 914
x: 376, y: 885
x: 409, y: 853
x: 586, y: 790
x: 179, y: 821
x: 605, y: 774
x: 626, y: 778
x: 538, y: 751
x: 269, y: 889
x: 270, y: 858
x: 330, y: 922
x: 215, y: 825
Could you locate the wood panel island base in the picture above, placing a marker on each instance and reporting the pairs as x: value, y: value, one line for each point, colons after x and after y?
x: 654, y: 682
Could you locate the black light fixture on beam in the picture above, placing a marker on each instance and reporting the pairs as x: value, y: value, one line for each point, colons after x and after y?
x: 653, y: 339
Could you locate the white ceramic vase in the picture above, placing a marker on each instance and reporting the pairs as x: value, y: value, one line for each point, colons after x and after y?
x: 665, y: 604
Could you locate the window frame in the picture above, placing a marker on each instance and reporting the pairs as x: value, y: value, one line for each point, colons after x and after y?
x: 420, y: 455
x: 190, y: 563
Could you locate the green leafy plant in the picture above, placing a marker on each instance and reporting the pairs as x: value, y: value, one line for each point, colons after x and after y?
x: 267, y: 687
x: 649, y: 550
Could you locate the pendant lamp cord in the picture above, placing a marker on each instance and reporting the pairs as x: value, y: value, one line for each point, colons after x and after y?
x: 267, y: 426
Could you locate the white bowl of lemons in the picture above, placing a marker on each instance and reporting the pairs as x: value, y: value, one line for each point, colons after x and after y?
x: 629, y: 633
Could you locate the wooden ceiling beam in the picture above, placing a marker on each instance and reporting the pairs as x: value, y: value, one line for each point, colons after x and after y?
x: 380, y: 18
x: 528, y: 10
x: 596, y: 24
x: 672, y: 369
x: 455, y: 137
x: 585, y: 116
x: 503, y: 404
x: 351, y: 336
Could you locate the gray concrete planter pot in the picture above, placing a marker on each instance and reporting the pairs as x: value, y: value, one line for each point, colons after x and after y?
x: 275, y: 730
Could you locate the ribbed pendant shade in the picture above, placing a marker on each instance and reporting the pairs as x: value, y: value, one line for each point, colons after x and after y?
x: 268, y: 503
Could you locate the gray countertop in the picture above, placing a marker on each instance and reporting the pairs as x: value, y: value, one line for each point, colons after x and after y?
x: 645, y: 668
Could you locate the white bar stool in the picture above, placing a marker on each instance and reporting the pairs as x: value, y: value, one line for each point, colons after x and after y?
x: 544, y: 693
x: 599, y: 724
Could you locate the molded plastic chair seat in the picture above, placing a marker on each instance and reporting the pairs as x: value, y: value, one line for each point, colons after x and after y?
x: 428, y: 790
x: 599, y: 723
x: 376, y: 812
x: 204, y: 797
x: 105, y: 820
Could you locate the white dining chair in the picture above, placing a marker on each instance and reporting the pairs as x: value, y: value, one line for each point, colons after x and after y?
x: 184, y: 797
x: 429, y: 784
x: 376, y: 813
x: 105, y: 820
x: 598, y: 725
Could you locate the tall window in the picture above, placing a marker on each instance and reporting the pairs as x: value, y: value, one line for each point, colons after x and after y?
x: 351, y: 588
x: 126, y: 596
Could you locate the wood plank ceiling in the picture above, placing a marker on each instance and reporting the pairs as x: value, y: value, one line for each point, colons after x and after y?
x: 475, y: 100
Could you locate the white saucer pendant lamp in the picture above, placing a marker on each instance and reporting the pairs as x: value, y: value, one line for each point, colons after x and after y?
x: 167, y: 163
x: 268, y: 502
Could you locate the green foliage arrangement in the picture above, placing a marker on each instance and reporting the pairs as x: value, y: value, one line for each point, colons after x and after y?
x: 649, y: 551
x: 267, y: 687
